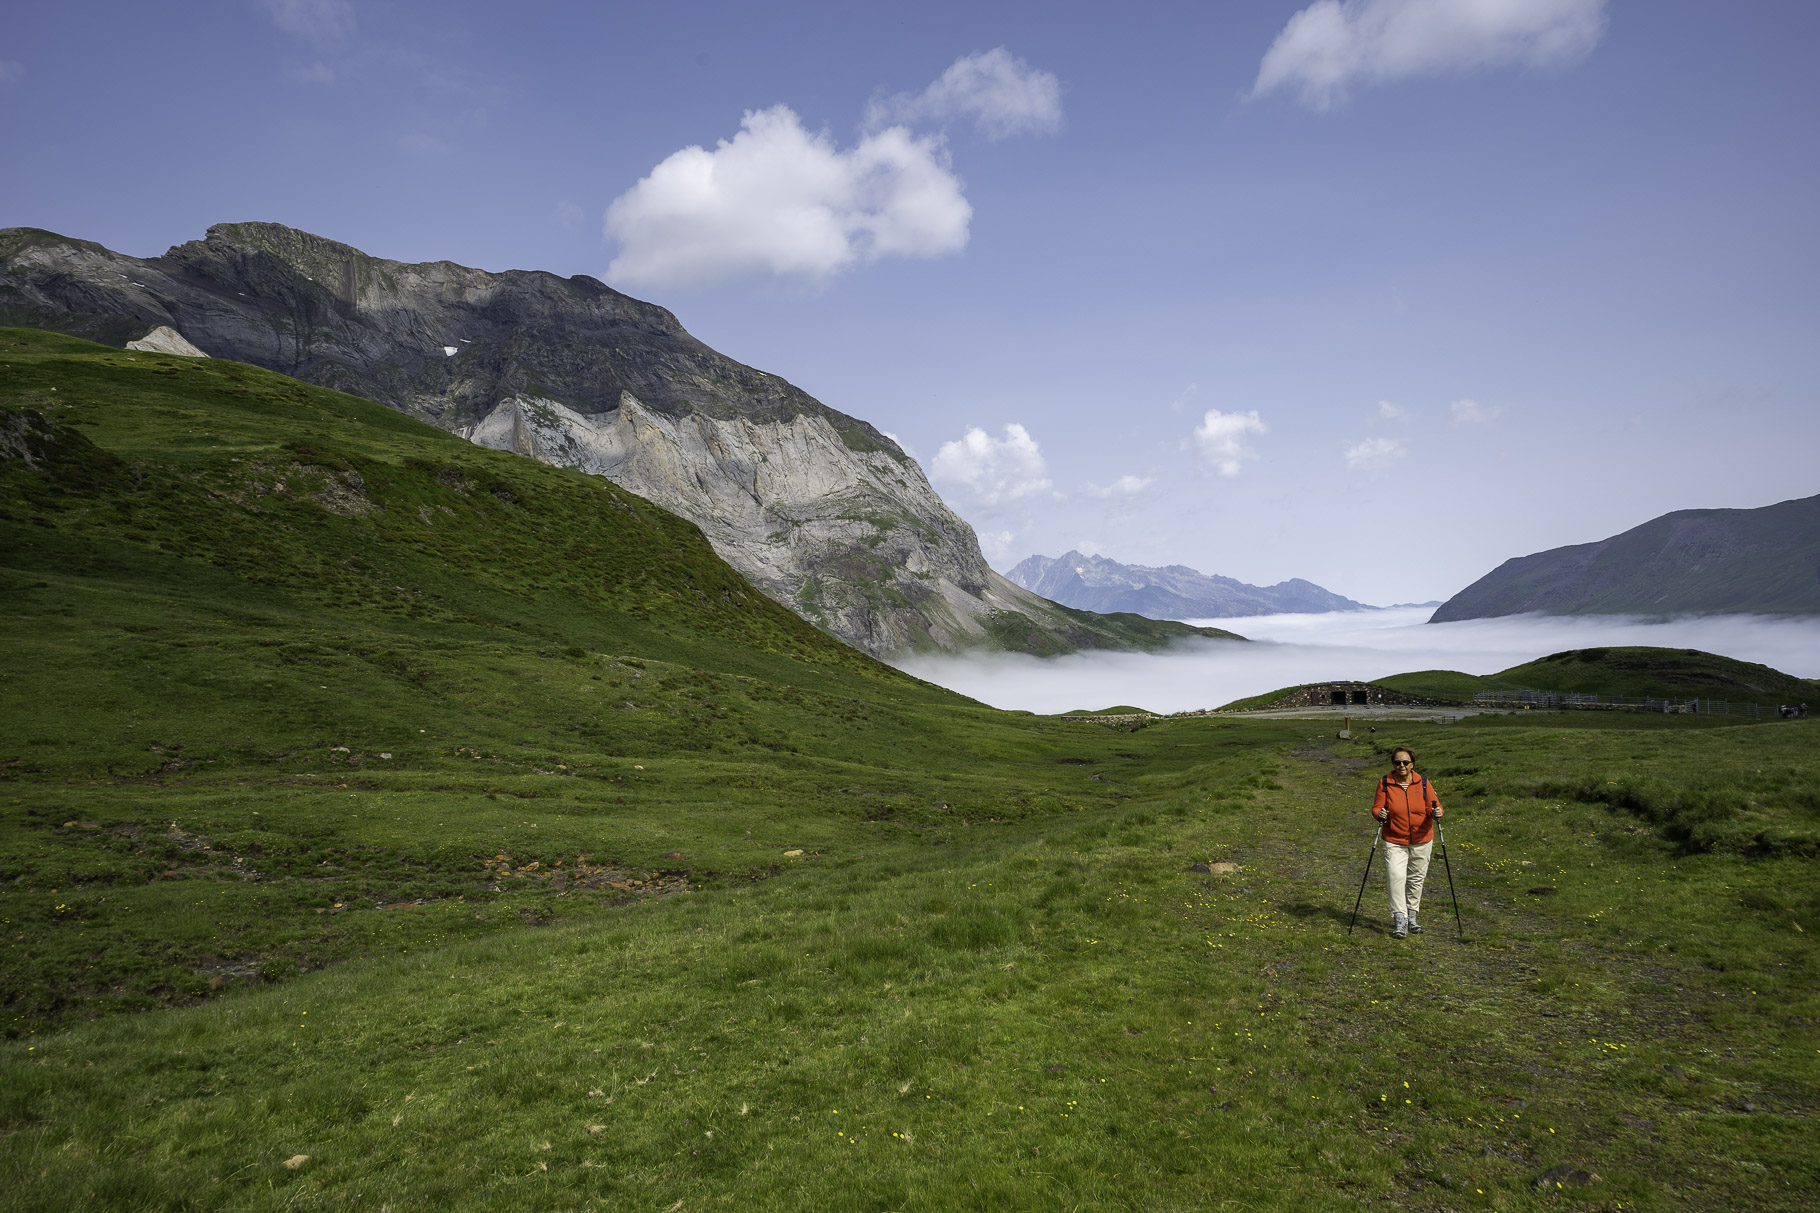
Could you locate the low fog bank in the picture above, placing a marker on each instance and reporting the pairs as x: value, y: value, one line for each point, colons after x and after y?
x: 1287, y: 650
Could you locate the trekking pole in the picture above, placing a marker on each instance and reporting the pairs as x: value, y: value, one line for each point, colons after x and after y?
x: 1442, y: 835
x: 1360, y: 900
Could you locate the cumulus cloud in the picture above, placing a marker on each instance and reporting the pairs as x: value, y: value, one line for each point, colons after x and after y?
x: 1391, y: 412
x: 993, y: 470
x: 1220, y: 438
x: 1471, y: 412
x: 323, y: 22
x: 1333, y: 45
x: 903, y: 446
x: 1373, y: 453
x: 995, y: 546
x: 1124, y: 486
x: 1001, y: 93
x: 778, y: 200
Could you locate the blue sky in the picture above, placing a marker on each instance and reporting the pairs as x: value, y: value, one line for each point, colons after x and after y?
x: 1373, y: 292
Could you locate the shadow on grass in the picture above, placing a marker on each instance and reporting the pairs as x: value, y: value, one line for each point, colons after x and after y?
x: 1306, y: 910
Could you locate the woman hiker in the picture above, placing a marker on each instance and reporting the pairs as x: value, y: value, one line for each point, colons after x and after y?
x: 1407, y: 805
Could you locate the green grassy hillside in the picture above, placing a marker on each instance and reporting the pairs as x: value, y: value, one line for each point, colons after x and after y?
x: 468, y: 842
x: 239, y: 596
x: 1635, y: 671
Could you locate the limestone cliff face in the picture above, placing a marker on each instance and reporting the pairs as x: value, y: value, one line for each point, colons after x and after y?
x: 818, y: 509
x: 853, y: 539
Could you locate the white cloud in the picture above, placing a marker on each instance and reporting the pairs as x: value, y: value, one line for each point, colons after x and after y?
x: 1004, y: 95
x: 1181, y: 402
x: 1391, y: 412
x: 1373, y: 453
x: 1333, y: 45
x: 777, y: 200
x: 1124, y: 486
x: 1221, y: 439
x: 322, y: 22
x: 902, y: 445
x: 1471, y: 412
x: 993, y: 470
x: 995, y: 545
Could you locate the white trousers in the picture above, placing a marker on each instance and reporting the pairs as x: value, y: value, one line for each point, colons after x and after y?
x: 1408, y: 867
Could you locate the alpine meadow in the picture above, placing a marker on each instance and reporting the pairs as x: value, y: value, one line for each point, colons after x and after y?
x: 394, y: 823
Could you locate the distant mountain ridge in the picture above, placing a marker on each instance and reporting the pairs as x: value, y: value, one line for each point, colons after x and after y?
x: 1096, y: 583
x: 821, y: 511
x: 1690, y: 562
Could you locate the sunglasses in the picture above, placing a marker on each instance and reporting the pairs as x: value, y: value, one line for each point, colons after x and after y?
x: 1402, y: 762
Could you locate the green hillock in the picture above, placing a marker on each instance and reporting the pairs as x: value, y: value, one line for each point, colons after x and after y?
x: 1251, y: 703
x: 1141, y: 631
x: 1636, y: 671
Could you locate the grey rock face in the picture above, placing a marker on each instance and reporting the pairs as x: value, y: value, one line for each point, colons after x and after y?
x: 1094, y: 583
x: 853, y: 539
x: 818, y: 509
x: 166, y: 340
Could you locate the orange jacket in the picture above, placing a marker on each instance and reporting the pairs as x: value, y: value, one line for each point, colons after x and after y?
x: 1412, y: 809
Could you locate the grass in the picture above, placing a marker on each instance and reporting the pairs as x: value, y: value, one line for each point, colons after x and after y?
x: 1030, y: 1014
x: 1636, y: 672
x: 794, y: 930
x: 1639, y: 672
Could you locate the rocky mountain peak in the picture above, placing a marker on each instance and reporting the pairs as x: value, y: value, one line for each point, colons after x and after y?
x: 817, y: 508
x: 1099, y: 583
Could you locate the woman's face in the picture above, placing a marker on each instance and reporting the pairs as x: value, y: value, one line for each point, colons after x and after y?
x: 1402, y: 762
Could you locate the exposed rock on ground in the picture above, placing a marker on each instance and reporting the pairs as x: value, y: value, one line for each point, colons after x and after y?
x: 166, y: 340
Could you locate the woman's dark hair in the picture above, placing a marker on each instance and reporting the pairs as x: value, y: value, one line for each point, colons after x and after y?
x: 1403, y: 749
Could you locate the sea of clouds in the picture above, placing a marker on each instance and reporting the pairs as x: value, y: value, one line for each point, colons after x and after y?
x: 1287, y: 650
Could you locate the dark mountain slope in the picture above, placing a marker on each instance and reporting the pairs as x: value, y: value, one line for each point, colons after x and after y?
x: 1700, y: 562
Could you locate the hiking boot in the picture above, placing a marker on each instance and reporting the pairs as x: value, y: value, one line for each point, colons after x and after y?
x: 1399, y: 927
x: 1415, y: 928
